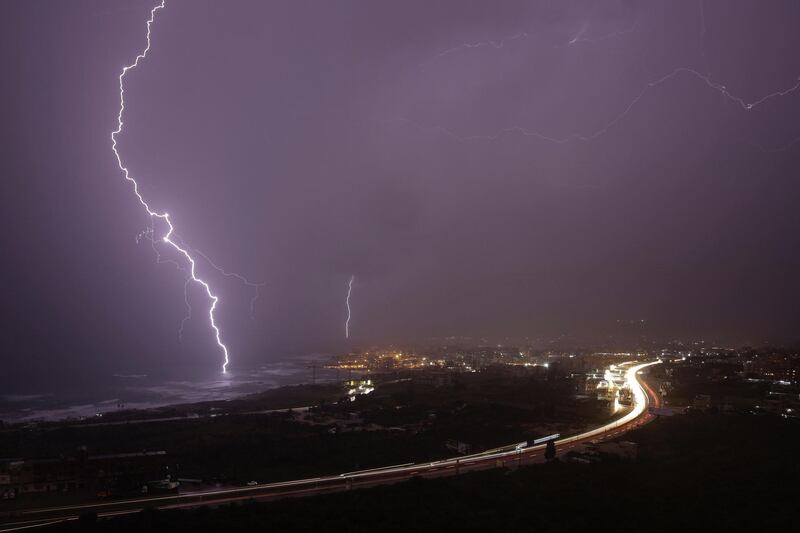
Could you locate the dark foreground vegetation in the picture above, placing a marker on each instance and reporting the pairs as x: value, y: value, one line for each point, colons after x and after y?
x: 693, y: 473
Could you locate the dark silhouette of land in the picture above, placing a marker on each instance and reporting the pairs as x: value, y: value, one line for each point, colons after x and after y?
x: 694, y: 472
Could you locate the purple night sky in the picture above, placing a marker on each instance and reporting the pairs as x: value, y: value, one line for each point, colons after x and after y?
x: 410, y: 144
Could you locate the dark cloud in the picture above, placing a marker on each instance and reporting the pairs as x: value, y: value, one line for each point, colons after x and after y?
x: 299, y: 143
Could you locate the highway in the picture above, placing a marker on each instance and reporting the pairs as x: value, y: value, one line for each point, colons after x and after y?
x: 638, y: 415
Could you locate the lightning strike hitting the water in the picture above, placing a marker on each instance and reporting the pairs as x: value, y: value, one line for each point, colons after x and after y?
x: 347, y: 302
x: 167, y: 237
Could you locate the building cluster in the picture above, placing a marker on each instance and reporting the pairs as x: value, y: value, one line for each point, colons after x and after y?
x: 459, y: 359
x: 695, y: 374
x: 781, y: 369
x: 733, y: 381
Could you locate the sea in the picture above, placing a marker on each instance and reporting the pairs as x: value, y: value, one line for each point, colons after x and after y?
x: 143, y: 391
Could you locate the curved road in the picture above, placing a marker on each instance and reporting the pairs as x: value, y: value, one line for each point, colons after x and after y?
x: 638, y: 415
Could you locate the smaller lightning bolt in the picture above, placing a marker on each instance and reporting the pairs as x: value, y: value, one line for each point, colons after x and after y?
x: 501, y: 43
x: 147, y: 234
x: 349, y: 313
x: 188, y: 316
x: 579, y: 37
x: 482, y: 44
x: 253, y: 285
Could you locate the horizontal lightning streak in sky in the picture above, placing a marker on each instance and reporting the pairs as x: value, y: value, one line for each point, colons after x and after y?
x: 167, y: 237
x: 722, y: 89
x: 579, y: 37
x: 500, y: 43
x: 481, y: 44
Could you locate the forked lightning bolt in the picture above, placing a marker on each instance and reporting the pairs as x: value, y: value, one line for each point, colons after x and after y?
x: 253, y: 285
x: 349, y: 313
x: 167, y: 237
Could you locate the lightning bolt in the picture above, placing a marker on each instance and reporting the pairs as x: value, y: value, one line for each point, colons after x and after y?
x: 579, y: 35
x: 148, y: 235
x: 482, y: 44
x: 579, y: 38
x: 167, y: 238
x: 188, y: 316
x: 501, y: 43
x: 253, y: 285
x: 349, y: 313
x: 722, y: 89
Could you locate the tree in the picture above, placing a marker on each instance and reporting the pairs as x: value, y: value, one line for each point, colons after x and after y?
x: 550, y: 450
